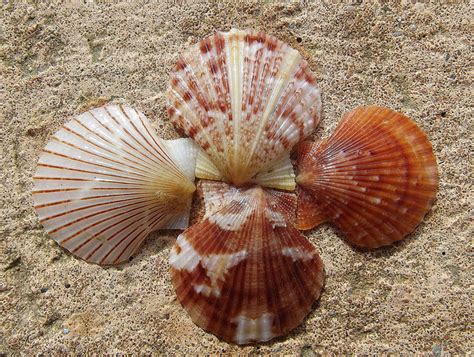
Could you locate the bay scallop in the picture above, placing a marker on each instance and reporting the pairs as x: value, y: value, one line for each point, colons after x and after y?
x: 244, y: 272
x: 105, y: 180
x: 246, y: 98
x: 375, y: 178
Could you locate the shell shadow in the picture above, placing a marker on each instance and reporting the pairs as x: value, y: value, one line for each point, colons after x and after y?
x: 156, y: 242
x: 384, y: 251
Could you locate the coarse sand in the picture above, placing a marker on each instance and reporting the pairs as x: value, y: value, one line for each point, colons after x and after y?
x: 58, y: 60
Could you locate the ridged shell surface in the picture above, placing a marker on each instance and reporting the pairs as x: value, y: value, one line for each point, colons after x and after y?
x: 244, y: 272
x: 105, y: 181
x: 246, y: 98
x: 374, y: 178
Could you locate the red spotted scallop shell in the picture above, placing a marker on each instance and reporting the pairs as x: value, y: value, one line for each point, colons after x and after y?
x: 246, y: 98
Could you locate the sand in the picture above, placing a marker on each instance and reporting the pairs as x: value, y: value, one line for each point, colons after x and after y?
x: 58, y: 61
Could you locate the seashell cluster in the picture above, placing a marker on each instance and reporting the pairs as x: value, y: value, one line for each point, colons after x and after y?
x: 243, y: 271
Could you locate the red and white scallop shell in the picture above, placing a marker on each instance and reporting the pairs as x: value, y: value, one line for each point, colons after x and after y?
x: 246, y: 98
x: 105, y: 181
x: 374, y: 178
x: 245, y: 273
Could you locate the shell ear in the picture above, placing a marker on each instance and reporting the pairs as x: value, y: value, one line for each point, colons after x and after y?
x: 105, y: 181
x: 309, y: 213
x: 184, y: 154
x: 374, y: 178
x: 205, y: 168
x: 246, y: 98
x: 279, y: 174
x: 215, y: 194
x: 245, y: 248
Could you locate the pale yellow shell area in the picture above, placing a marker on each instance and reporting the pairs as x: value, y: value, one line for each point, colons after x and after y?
x: 246, y: 98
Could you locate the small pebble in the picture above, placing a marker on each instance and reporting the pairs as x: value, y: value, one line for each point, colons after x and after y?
x: 67, y: 285
x: 43, y: 290
x: 65, y: 331
x: 437, y: 350
x: 307, y: 351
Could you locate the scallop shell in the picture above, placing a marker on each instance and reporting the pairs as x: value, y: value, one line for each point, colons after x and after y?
x: 374, y: 178
x: 105, y: 181
x: 246, y: 98
x: 244, y: 272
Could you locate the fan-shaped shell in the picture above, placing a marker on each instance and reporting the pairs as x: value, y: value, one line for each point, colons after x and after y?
x: 374, y: 178
x: 244, y: 272
x: 105, y: 181
x: 246, y: 98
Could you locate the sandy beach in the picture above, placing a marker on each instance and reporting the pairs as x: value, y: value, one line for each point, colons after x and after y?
x: 60, y: 60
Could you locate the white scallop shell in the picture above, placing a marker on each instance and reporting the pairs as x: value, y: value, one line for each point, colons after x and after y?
x: 246, y: 98
x: 105, y: 181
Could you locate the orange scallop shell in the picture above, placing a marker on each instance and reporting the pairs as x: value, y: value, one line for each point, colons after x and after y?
x: 374, y: 178
x: 244, y: 272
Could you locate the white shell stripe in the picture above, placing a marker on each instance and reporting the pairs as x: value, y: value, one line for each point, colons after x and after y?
x: 249, y: 330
